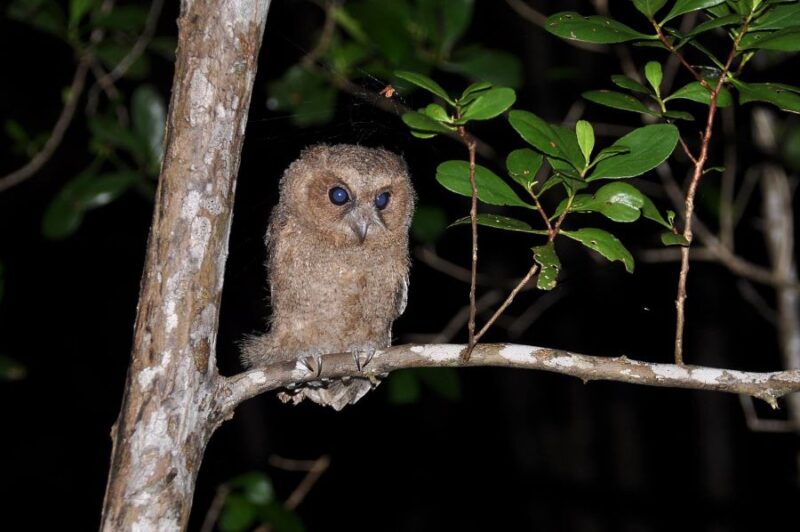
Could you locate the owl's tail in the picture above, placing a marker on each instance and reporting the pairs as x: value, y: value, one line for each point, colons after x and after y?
x: 336, y: 394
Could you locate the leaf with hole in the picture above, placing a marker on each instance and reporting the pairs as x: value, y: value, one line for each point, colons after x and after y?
x: 600, y: 30
x: 778, y: 17
x: 489, y: 104
x: 618, y: 100
x: 549, y: 266
x: 782, y: 96
x: 604, y: 243
x: 649, y: 146
x: 522, y: 166
x: 454, y: 176
x: 785, y: 40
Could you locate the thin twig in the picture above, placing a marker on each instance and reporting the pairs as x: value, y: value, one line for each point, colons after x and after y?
x: 507, y: 302
x: 473, y: 217
x: 59, y: 129
x: 215, y: 508
x: 680, y: 301
x: 458, y: 320
x: 136, y: 50
x: 314, y: 469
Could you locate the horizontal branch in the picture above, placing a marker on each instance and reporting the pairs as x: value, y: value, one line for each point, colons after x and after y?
x: 766, y: 386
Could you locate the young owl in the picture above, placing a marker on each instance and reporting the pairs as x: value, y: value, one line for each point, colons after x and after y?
x: 338, y: 263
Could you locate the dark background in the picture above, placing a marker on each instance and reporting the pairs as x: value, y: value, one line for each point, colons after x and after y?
x: 520, y: 449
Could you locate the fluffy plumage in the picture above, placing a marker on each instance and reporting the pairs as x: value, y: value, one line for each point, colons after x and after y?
x: 338, y: 262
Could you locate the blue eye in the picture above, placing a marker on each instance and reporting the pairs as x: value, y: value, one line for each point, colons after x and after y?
x: 382, y: 200
x: 338, y: 196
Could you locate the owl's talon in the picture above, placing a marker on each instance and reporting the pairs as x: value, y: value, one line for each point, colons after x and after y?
x: 357, y: 358
x: 367, y: 352
x: 313, y: 363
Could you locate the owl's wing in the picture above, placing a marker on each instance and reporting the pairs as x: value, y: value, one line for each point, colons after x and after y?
x: 401, y: 296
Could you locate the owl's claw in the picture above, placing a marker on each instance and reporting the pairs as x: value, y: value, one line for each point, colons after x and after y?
x: 368, y: 353
x: 313, y: 363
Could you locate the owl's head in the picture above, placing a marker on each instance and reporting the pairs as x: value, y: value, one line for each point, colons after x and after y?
x: 348, y: 194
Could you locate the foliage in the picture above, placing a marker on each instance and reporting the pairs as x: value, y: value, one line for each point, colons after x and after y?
x: 369, y: 40
x: 251, y: 501
x: 575, y: 167
x: 126, y: 140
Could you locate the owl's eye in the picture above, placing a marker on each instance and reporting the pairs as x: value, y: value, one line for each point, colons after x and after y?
x: 382, y: 200
x: 338, y: 196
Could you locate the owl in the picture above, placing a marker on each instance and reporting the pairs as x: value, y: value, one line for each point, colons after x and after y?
x: 337, y: 264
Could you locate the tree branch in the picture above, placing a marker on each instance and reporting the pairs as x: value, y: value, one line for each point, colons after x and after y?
x: 766, y: 386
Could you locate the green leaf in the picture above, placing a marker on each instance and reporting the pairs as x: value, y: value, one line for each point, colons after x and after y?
x: 281, y: 518
x: 785, y: 40
x: 471, y: 92
x: 687, y: 6
x: 782, y: 96
x: 677, y: 115
x: 11, y: 370
x: 627, y: 83
x: 454, y: 176
x: 477, y: 63
x: 649, y: 8
x: 671, y: 239
x: 649, y: 146
x: 403, y: 387
x: 695, y: 92
x: 77, y: 10
x: 654, y: 75
x: 426, y: 83
x: 601, y: 30
x: 709, y: 25
x: 308, y: 96
x: 421, y: 122
x: 604, y: 243
x: 456, y: 16
x: 549, y: 266
x: 552, y: 140
x: 149, y: 120
x: 489, y: 104
x: 256, y: 487
x: 436, y: 112
x: 428, y: 224
x: 778, y: 17
x: 444, y: 381
x: 387, y: 26
x: 585, y: 134
x: 618, y: 100
x: 61, y: 219
x: 650, y: 211
x: 422, y: 135
x: 500, y: 222
x: 108, y: 131
x: 237, y: 514
x: 103, y: 189
x: 611, y: 151
x: 522, y: 165
x: 617, y: 201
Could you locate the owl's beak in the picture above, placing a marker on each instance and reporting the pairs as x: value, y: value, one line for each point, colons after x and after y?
x: 360, y: 220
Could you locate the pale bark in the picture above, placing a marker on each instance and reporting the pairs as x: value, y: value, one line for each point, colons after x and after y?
x: 167, y: 413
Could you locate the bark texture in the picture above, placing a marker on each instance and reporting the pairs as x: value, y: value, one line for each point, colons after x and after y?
x: 168, y: 409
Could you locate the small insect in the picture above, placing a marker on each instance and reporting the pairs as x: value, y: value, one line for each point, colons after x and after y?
x: 388, y: 91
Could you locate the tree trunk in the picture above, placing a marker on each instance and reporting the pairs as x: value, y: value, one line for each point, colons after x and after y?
x: 169, y: 408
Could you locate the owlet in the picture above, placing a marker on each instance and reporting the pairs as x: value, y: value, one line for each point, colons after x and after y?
x: 337, y: 263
